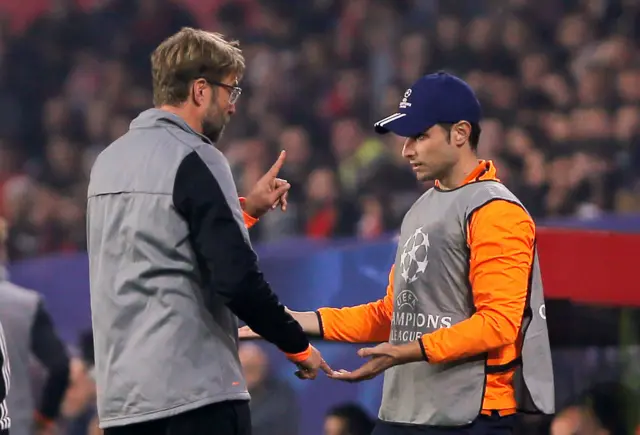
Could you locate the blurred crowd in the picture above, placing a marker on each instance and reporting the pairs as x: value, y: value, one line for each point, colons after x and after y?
x: 559, y: 81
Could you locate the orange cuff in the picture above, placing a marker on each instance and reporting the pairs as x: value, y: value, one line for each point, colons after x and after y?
x: 249, y: 220
x: 299, y: 357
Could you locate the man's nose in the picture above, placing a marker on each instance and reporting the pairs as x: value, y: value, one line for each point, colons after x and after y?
x: 407, y: 149
x: 232, y: 109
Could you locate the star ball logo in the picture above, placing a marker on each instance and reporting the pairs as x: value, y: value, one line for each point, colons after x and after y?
x: 413, y: 260
x: 404, y: 103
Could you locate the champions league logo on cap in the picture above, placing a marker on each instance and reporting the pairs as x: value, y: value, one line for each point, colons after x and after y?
x: 404, y: 103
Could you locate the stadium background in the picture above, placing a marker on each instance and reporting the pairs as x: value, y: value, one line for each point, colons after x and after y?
x: 559, y: 81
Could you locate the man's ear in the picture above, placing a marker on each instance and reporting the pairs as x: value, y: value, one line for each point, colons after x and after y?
x: 198, y: 88
x: 460, y: 133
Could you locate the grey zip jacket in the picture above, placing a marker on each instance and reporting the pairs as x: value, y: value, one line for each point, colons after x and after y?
x: 171, y: 266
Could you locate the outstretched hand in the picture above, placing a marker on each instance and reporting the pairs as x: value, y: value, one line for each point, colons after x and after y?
x: 269, y: 192
x: 381, y: 358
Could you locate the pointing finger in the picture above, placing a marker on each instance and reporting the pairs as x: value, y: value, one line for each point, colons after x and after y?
x: 273, y: 172
x: 325, y: 367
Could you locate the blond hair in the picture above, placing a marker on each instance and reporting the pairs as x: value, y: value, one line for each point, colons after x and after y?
x: 188, y: 55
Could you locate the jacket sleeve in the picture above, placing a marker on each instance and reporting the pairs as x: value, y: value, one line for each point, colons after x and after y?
x: 360, y: 324
x: 501, y: 238
x: 49, y: 349
x: 228, y: 262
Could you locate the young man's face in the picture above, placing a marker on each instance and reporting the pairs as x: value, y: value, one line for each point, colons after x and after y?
x: 431, y: 154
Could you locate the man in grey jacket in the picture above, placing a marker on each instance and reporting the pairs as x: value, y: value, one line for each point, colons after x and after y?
x: 30, y: 332
x: 171, y: 264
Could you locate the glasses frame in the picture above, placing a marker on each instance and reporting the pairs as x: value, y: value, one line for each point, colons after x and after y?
x: 234, y: 91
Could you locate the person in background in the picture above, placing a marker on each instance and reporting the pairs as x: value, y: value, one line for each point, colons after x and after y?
x: 30, y: 331
x: 606, y: 409
x: 274, y: 409
x: 348, y: 419
x: 79, y: 406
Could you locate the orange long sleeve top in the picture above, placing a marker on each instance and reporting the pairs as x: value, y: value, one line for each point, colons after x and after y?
x: 501, y: 240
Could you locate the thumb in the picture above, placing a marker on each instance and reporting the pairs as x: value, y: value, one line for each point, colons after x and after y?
x: 368, y: 351
x: 273, y: 172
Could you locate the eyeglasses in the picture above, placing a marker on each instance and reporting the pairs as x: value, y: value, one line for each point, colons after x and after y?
x: 234, y: 91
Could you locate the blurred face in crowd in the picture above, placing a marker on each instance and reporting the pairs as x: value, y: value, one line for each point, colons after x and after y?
x: 254, y: 364
x: 434, y: 153
x: 572, y: 32
x: 62, y: 156
x: 448, y: 30
x: 334, y: 425
x: 7, y: 160
x: 577, y: 420
x: 215, y: 104
x: 627, y: 123
x: 295, y: 141
x: 321, y: 186
x: 346, y: 137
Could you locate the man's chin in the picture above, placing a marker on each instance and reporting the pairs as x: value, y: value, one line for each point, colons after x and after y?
x: 214, y: 136
x: 424, y: 177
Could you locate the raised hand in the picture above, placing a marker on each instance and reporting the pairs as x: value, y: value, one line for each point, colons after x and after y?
x: 269, y: 192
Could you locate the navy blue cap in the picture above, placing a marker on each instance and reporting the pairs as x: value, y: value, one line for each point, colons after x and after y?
x: 433, y: 99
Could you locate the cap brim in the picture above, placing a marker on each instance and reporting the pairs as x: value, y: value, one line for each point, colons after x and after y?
x: 402, y: 124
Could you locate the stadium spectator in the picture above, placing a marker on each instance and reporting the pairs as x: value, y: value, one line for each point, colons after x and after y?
x: 79, y: 405
x: 607, y: 409
x: 348, y: 419
x: 79, y: 411
x: 273, y: 403
x: 30, y: 332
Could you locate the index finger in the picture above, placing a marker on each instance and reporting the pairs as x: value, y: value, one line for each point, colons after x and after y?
x: 278, y: 164
x: 325, y: 368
